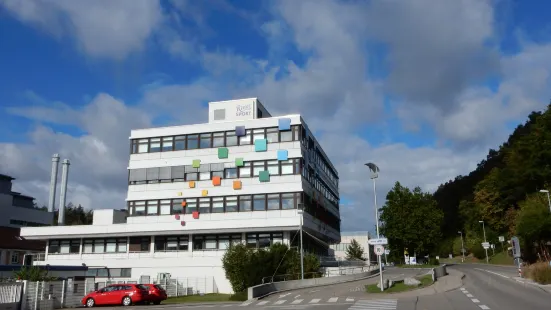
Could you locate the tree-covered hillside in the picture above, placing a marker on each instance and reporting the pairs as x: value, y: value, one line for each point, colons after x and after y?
x: 503, y: 191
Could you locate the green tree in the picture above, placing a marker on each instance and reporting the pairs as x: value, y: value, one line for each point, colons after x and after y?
x: 411, y: 220
x: 355, y: 251
x: 534, y: 226
x: 76, y: 215
x: 33, y: 273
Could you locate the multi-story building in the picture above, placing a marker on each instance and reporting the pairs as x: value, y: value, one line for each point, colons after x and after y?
x: 194, y: 190
x: 362, y: 237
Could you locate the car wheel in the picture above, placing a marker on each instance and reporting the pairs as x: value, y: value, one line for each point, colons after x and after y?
x: 90, y: 302
x: 157, y: 302
x: 126, y: 301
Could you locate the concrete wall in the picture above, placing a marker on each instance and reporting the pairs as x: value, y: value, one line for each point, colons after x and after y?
x: 21, y: 214
x: 269, y: 288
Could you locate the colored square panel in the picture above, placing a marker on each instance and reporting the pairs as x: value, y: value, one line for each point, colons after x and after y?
x: 240, y: 131
x: 223, y: 152
x: 184, y: 204
x: 239, y: 162
x: 284, y: 124
x: 196, y: 163
x: 177, y: 216
x: 282, y: 155
x: 216, y: 181
x: 183, y: 223
x: 191, y: 184
x: 195, y: 214
x: 179, y: 193
x: 264, y: 176
x: 237, y: 185
x: 260, y: 145
x: 204, y: 193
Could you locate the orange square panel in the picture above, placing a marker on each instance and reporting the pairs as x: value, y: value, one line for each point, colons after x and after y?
x: 183, y: 203
x: 191, y: 184
x: 216, y: 181
x: 237, y: 184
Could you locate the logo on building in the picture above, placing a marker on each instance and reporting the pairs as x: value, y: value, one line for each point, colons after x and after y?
x: 244, y: 110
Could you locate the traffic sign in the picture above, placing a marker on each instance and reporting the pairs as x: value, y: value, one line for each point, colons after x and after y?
x: 501, y: 238
x: 380, y: 241
x: 387, y: 251
x: 515, y: 247
x: 486, y: 245
x: 379, y: 250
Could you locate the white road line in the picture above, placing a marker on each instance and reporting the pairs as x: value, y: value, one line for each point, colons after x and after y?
x: 497, y: 274
x: 376, y: 304
x: 246, y: 303
x: 465, y: 292
x: 297, y: 301
x: 333, y: 299
x: 262, y: 303
x: 283, y: 295
x: 470, y: 295
x: 484, y: 307
x: 462, y: 288
x: 475, y: 300
x: 297, y: 296
x: 349, y: 299
x: 314, y: 301
x: 279, y: 302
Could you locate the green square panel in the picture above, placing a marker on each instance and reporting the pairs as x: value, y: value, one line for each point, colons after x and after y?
x: 223, y: 152
x: 239, y: 162
x: 260, y: 145
x: 196, y: 163
x: 264, y: 176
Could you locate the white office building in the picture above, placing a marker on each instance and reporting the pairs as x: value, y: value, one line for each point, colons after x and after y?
x: 362, y: 237
x: 195, y: 189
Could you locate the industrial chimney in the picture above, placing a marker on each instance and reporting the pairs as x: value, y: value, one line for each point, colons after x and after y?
x: 53, y: 182
x: 63, y: 193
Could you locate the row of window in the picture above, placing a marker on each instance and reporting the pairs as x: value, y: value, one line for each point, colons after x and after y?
x: 26, y: 223
x: 319, y: 211
x: 162, y: 244
x: 309, y: 175
x: 109, y: 272
x: 209, y: 171
x: 210, y: 140
x: 242, y: 203
x: 340, y: 247
x: 322, y: 164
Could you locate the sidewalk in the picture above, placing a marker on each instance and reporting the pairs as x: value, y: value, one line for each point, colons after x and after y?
x: 545, y: 287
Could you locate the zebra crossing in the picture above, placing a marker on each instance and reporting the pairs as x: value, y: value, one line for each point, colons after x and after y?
x: 363, y: 304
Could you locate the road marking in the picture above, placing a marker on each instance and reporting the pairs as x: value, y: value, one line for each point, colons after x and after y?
x: 349, y: 299
x: 279, y: 302
x: 375, y: 304
x: 484, y: 307
x: 462, y: 288
x: 497, y: 274
x: 470, y: 295
x: 246, y: 303
x: 333, y: 299
x: 314, y: 291
x: 475, y: 300
x: 262, y: 303
x: 314, y: 301
x: 283, y: 295
x: 297, y: 301
x: 465, y: 292
x: 297, y: 296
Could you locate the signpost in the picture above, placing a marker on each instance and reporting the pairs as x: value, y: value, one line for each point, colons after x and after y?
x: 486, y: 245
x: 379, y: 241
x: 515, y: 245
x: 379, y: 250
x: 501, y: 239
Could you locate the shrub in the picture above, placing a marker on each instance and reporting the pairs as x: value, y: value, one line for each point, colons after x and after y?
x: 239, y: 296
x: 434, y: 261
x: 539, y: 272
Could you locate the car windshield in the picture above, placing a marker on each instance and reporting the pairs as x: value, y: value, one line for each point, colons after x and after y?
x: 159, y: 287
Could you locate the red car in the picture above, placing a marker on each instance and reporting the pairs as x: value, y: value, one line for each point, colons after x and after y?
x: 117, y: 294
x: 156, y: 293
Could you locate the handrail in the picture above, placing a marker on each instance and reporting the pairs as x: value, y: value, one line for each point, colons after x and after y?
x: 285, y: 276
x: 297, y: 276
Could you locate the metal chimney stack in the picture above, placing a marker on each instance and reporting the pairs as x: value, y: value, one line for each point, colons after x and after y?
x: 63, y: 194
x: 53, y: 182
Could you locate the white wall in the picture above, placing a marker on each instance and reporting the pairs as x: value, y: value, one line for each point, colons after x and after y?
x: 361, y: 237
x: 239, y: 109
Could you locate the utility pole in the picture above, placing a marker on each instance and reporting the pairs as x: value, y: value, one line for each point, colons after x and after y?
x: 462, y: 247
x: 374, y: 175
x: 301, y: 212
x: 485, y: 249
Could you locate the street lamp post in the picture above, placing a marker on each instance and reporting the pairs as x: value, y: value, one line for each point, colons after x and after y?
x: 462, y: 247
x: 548, y: 198
x: 301, y: 212
x: 374, y: 175
x: 485, y: 249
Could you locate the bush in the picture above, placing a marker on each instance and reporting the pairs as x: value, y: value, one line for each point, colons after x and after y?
x: 239, y: 296
x: 246, y: 267
x: 434, y: 261
x: 539, y: 272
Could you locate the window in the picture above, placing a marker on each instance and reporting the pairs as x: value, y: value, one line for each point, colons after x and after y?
x: 286, y: 136
x: 251, y: 241
x: 139, y: 244
x: 179, y: 143
x: 297, y: 169
x: 217, y: 204
x: 259, y: 202
x: 88, y: 246
x: 287, y: 201
x: 204, y: 176
x: 218, y: 139
x: 245, y: 170
x: 262, y: 240
x: 139, y: 208
x: 273, y: 201
x: 134, y: 147
x: 177, y: 207
x: 214, y: 242
x: 155, y: 145
x: 165, y: 207
x: 167, y: 144
x: 192, y: 176
x: 218, y: 174
x: 273, y: 167
x: 296, y: 132
x: 246, y: 139
x: 204, y: 205
x: 231, y: 138
x: 143, y: 146
x: 245, y: 203
x: 14, y: 258
x: 223, y: 242
x: 205, y: 141
x: 171, y: 243
x: 258, y: 134
x: 99, y: 246
x: 287, y: 167
x: 53, y: 247
x: 152, y: 207
x: 272, y: 135
x: 277, y: 238
x: 192, y: 142
x: 231, y: 173
x: 257, y: 167
x: 231, y: 204
x: 191, y: 205
x: 64, y: 248
x: 111, y: 246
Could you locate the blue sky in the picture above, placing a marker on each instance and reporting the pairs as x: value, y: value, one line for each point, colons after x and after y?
x: 422, y: 89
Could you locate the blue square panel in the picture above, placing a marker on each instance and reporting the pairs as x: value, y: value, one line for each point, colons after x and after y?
x: 282, y: 155
x: 240, y: 131
x: 260, y: 145
x: 284, y: 124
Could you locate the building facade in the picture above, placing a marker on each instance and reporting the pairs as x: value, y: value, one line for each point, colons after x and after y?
x: 362, y: 237
x: 194, y: 190
x: 18, y: 209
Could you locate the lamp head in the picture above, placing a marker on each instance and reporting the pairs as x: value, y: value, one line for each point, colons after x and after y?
x: 544, y: 191
x: 481, y: 221
x: 374, y: 170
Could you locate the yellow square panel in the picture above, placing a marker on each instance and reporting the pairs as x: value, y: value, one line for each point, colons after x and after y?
x: 179, y: 194
x: 204, y: 193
